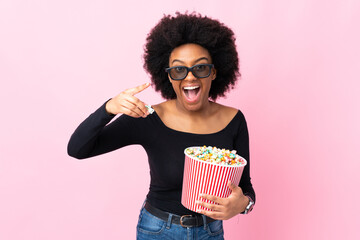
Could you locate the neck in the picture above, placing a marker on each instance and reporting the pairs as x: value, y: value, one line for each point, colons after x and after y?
x: 204, y: 111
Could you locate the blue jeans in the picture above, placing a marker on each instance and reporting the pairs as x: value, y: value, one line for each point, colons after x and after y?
x: 151, y: 227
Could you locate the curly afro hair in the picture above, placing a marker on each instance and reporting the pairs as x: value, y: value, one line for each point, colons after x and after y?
x: 212, y: 35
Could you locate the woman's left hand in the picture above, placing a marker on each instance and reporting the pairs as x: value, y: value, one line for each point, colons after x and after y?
x: 225, y: 208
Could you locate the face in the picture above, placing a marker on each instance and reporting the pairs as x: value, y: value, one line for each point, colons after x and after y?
x: 192, y: 92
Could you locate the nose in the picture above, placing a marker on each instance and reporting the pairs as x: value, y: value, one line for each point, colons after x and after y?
x: 190, y: 76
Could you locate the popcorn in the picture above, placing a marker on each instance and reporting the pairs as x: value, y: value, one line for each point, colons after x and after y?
x: 150, y: 109
x: 208, y: 170
x: 215, y: 155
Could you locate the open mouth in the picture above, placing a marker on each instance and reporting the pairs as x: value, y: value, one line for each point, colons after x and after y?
x: 191, y: 93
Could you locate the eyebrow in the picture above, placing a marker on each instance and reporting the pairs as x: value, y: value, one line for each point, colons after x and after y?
x: 202, y: 58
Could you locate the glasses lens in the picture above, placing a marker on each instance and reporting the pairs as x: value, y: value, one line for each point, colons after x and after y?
x: 201, y: 71
x: 178, y: 73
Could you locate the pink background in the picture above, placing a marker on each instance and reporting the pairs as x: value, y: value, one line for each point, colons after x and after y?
x: 60, y: 60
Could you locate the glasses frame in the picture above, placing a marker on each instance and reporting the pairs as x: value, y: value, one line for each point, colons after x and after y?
x: 189, y: 69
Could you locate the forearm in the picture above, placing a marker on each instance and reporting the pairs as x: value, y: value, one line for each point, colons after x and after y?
x: 83, y: 141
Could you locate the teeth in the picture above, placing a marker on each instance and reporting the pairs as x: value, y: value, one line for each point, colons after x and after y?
x: 191, y: 88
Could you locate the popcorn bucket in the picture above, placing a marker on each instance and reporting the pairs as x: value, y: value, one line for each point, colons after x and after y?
x: 208, y: 178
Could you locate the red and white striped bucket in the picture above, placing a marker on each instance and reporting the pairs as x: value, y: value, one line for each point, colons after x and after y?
x: 207, y: 178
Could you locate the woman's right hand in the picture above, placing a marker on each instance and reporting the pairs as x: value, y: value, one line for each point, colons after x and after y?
x: 126, y: 103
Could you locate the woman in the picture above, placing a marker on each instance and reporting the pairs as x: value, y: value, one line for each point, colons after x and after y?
x: 191, y: 59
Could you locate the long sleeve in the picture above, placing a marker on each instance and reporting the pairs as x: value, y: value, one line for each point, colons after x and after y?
x: 94, y: 137
x: 242, y: 147
x: 164, y: 147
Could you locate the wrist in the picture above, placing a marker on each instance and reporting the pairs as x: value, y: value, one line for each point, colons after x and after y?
x: 249, y: 205
x: 244, y: 202
x: 108, y: 108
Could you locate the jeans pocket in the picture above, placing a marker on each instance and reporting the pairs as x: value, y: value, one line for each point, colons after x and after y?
x: 149, y: 224
x: 215, y: 228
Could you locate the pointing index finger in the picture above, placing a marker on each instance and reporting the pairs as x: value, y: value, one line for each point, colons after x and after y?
x: 138, y: 89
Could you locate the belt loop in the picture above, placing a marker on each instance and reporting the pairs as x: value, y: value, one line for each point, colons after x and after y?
x: 204, y: 221
x: 143, y: 204
x: 168, y: 224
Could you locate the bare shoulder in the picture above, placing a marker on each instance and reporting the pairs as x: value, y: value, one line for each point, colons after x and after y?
x: 161, y: 108
x: 227, y: 113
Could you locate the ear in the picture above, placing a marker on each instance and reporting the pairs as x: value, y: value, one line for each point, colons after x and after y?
x: 213, y: 74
